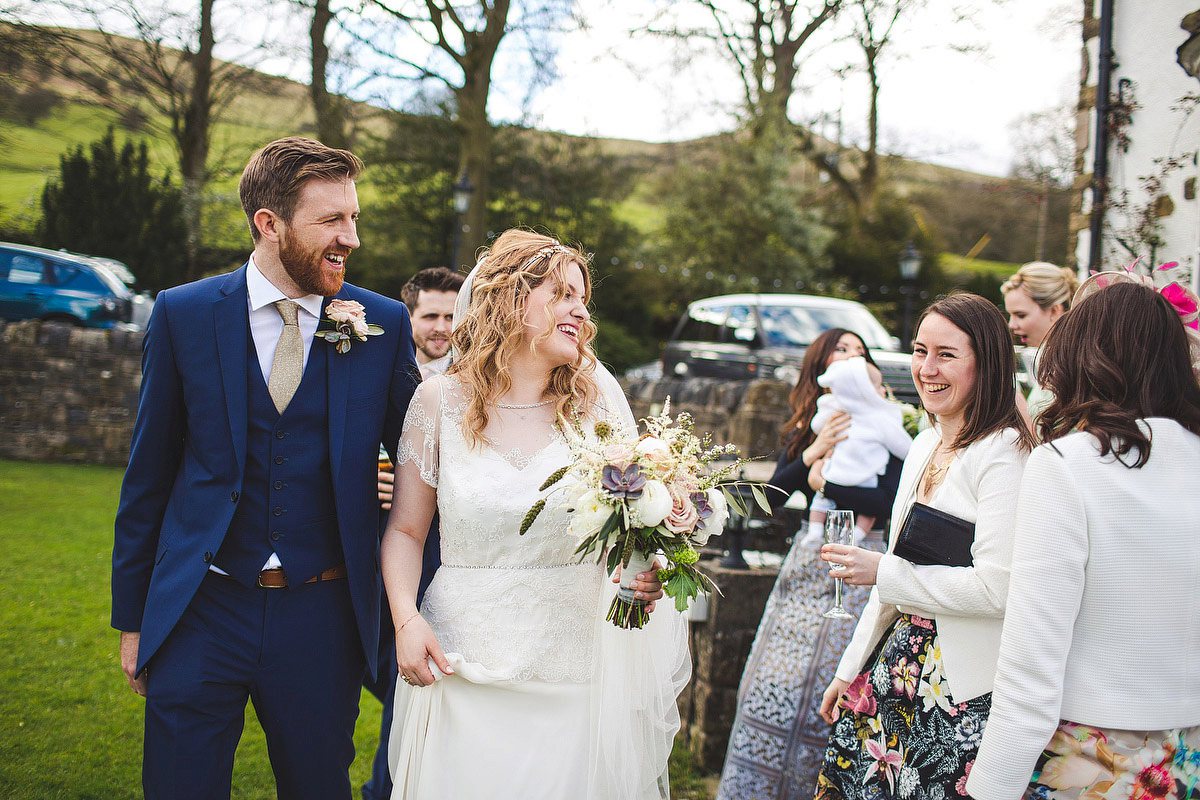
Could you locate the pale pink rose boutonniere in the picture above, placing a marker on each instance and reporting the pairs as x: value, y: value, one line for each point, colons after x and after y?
x: 348, y: 319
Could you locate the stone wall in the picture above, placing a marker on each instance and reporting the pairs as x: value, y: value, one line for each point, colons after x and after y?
x: 66, y: 393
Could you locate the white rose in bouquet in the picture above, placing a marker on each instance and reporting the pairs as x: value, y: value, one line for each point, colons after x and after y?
x: 653, y: 506
x: 590, y: 514
x: 656, y: 451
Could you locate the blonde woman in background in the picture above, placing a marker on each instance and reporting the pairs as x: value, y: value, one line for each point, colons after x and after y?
x: 1035, y: 297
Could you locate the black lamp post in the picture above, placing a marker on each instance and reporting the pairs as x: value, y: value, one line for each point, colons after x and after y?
x: 462, y: 201
x: 910, y: 267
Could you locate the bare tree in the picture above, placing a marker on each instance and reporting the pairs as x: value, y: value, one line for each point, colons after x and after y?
x: 1044, y: 142
x: 458, y: 45
x: 329, y: 108
x: 165, y: 63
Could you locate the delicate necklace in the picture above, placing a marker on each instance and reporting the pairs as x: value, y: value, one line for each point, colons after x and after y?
x: 935, y: 472
x: 525, y: 406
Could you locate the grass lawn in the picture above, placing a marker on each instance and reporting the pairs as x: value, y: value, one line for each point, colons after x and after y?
x: 69, y: 725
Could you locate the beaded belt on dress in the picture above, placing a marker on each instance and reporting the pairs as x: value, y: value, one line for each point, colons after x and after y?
x: 512, y: 566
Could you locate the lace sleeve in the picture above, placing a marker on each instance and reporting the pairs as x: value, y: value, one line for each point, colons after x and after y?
x: 419, y: 436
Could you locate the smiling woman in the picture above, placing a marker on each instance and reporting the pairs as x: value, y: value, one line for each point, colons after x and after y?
x: 932, y: 630
x: 513, y: 629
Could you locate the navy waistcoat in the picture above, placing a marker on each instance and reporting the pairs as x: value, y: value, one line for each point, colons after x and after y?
x: 287, y: 503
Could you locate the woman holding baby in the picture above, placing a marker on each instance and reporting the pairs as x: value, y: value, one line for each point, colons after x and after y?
x: 778, y: 739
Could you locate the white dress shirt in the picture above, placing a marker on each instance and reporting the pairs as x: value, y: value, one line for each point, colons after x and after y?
x: 265, y: 323
x: 1103, y: 623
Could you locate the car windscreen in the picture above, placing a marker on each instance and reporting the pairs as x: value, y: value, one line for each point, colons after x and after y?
x: 798, y: 326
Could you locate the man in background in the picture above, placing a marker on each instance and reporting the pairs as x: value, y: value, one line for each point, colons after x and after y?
x: 429, y: 296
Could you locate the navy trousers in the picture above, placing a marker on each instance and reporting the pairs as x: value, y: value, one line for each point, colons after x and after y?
x: 293, y: 652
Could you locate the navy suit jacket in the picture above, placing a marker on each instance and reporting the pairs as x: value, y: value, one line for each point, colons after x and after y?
x: 188, y: 453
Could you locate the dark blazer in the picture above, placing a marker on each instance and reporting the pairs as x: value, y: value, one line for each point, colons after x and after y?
x: 187, y: 459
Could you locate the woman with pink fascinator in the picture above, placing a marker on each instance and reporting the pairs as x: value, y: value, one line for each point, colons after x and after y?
x: 1097, y: 688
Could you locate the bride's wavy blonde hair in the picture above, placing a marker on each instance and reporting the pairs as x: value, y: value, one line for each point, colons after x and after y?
x: 493, y: 329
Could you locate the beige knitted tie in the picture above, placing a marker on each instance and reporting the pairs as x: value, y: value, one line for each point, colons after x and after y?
x: 288, y: 365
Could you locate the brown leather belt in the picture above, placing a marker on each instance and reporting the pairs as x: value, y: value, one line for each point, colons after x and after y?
x: 276, y: 579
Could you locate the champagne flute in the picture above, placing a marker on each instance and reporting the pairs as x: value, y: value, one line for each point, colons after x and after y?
x: 839, y: 529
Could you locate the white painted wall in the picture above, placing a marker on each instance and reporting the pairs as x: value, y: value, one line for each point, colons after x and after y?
x: 1145, y: 36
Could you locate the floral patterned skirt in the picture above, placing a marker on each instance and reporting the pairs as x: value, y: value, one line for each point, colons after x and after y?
x: 900, y: 733
x: 1086, y: 763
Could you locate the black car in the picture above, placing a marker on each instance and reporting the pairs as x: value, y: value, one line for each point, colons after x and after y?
x: 36, y: 283
x: 740, y: 336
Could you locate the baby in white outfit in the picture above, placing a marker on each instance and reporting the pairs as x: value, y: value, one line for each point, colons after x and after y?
x: 875, y: 434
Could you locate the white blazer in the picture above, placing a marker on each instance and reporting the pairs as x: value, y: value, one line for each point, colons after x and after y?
x: 967, y: 603
x: 1103, y: 624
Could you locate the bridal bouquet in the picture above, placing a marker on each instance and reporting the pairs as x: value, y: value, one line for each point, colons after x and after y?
x: 633, y: 498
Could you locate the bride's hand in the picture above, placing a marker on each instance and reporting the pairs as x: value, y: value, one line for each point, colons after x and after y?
x: 415, y: 644
x: 646, y: 586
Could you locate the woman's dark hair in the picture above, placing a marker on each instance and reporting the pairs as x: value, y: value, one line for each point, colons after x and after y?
x: 993, y: 403
x: 796, y: 433
x: 1121, y: 355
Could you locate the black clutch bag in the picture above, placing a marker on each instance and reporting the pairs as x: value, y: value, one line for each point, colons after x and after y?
x: 929, y: 536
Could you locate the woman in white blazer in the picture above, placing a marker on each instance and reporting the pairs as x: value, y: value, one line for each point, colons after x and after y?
x: 912, y: 691
x: 1097, y: 691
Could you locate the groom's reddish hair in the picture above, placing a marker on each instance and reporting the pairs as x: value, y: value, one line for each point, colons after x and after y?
x: 276, y: 174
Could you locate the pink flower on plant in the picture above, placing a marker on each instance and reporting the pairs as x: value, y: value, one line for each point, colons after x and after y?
x: 887, y: 762
x: 859, y: 697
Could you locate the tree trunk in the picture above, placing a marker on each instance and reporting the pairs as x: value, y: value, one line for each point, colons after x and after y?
x: 475, y: 131
x: 194, y: 139
x: 331, y: 125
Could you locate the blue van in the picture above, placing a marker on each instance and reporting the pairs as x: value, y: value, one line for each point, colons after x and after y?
x: 36, y: 283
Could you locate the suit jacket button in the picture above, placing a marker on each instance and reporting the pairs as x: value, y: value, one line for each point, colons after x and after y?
x: 278, y: 459
x: 278, y: 484
x: 277, y: 511
x: 275, y: 536
x: 208, y: 557
x: 280, y: 434
x: 233, y: 496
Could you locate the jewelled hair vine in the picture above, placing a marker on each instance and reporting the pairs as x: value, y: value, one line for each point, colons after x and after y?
x: 545, y: 251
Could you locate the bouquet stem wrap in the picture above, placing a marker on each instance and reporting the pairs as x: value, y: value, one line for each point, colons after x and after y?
x: 626, y: 610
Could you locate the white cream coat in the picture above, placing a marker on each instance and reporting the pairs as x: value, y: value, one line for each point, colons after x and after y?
x: 967, y: 603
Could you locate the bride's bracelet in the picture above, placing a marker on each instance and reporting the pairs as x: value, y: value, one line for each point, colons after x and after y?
x: 410, y: 619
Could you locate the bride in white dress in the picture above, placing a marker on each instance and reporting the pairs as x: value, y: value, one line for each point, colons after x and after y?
x: 515, y: 686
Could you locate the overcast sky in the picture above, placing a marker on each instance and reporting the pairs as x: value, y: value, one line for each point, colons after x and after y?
x: 936, y: 105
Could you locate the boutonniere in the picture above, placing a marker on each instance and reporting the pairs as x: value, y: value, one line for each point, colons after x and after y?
x: 348, y: 321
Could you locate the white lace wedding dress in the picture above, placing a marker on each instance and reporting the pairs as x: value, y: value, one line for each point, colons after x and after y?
x: 547, y: 699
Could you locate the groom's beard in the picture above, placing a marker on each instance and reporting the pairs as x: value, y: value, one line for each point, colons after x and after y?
x: 307, y: 267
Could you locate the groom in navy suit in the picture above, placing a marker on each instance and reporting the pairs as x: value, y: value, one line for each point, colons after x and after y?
x: 246, y: 558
